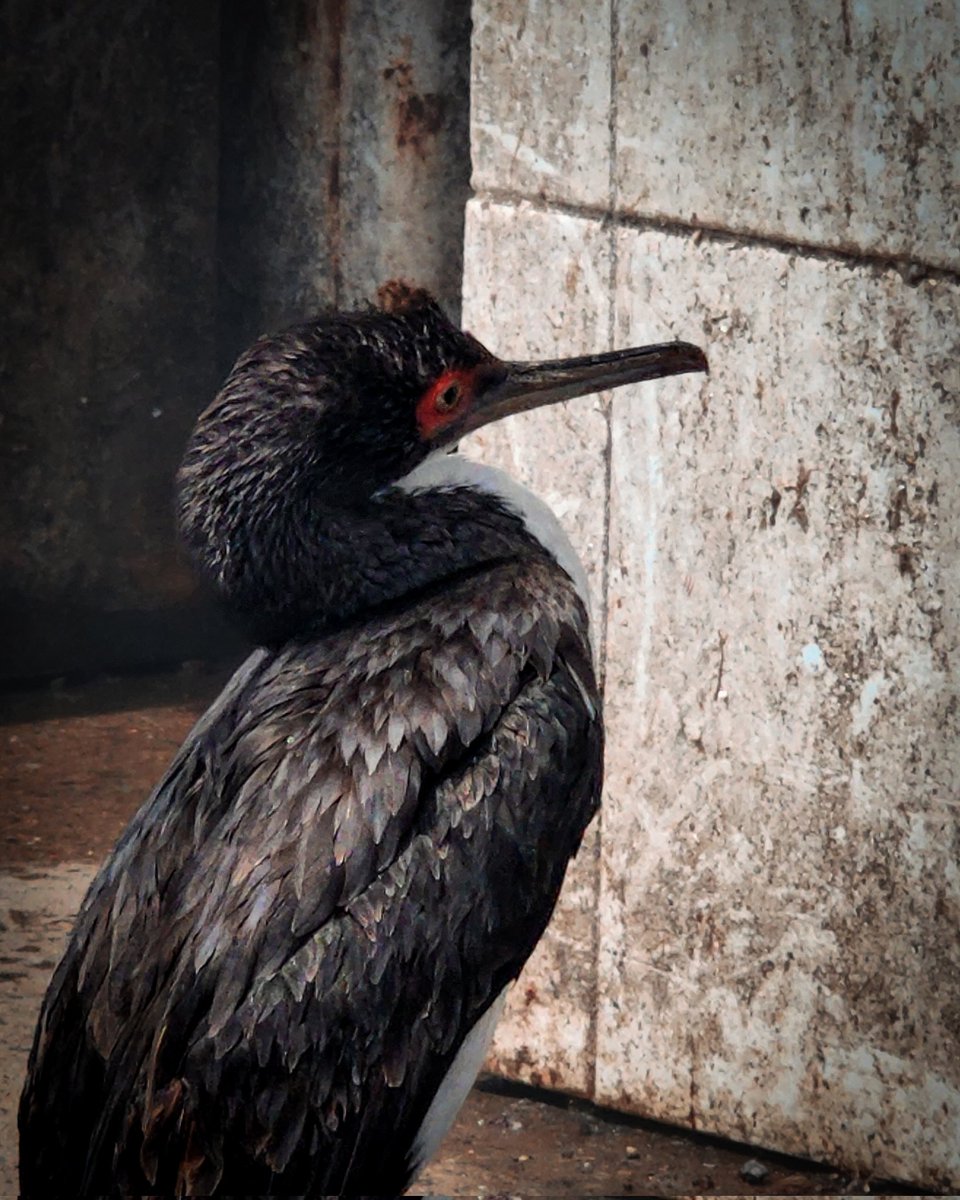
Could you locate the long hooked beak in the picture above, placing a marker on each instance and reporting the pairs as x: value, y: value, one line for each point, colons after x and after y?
x: 532, y: 385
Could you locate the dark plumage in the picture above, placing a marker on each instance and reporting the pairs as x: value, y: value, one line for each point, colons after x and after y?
x: 362, y: 840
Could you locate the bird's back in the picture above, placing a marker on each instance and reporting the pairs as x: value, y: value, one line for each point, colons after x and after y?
x: 353, y: 853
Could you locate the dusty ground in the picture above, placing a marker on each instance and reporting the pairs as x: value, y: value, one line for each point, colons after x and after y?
x: 68, y: 784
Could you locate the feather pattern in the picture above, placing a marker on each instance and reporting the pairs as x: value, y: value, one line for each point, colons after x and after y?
x: 270, y: 979
x: 284, y: 975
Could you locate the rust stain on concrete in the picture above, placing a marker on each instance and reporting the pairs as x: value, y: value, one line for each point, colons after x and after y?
x: 419, y: 116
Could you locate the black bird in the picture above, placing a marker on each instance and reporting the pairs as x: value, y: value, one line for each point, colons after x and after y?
x: 285, y: 977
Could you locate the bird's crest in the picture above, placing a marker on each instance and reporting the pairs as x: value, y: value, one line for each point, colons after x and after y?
x: 399, y: 296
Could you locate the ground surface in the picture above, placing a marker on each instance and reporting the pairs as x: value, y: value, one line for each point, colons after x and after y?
x: 69, y: 783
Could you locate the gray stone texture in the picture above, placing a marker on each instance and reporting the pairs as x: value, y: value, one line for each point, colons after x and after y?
x: 779, y: 891
x: 343, y: 157
x: 568, y: 260
x: 780, y: 838
x: 828, y: 124
x: 825, y: 124
x: 405, y: 169
x: 540, y: 100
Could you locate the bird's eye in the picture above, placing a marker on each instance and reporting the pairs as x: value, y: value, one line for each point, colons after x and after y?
x: 444, y: 402
x: 449, y: 398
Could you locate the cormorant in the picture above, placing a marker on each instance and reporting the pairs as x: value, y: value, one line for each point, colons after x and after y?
x: 285, y: 977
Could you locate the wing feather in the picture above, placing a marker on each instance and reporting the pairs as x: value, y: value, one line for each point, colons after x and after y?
x: 310, y: 913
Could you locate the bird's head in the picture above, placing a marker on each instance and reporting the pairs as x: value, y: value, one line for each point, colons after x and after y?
x: 349, y: 403
x: 286, y: 478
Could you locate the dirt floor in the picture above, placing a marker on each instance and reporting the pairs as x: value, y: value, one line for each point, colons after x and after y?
x: 74, y: 765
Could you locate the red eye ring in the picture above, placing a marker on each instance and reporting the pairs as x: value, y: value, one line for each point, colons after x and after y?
x: 443, y: 401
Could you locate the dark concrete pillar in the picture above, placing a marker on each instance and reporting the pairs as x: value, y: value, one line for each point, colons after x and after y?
x: 177, y: 179
x: 109, y: 122
x: 345, y: 156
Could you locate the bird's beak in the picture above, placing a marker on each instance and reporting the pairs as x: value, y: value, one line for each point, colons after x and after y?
x: 526, y: 385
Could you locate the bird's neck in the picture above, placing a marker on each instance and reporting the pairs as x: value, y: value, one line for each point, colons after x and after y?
x: 299, y: 563
x: 540, y: 522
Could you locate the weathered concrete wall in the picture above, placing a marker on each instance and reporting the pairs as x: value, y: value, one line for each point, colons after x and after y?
x: 764, y: 925
x: 108, y: 195
x: 277, y: 232
x: 344, y: 157
x: 405, y: 173
x: 177, y: 181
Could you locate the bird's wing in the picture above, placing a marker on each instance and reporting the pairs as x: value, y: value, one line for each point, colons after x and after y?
x: 356, y: 854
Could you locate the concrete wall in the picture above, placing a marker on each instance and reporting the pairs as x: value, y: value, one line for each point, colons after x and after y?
x: 108, y: 289
x: 177, y: 180
x: 760, y: 938
x: 343, y: 156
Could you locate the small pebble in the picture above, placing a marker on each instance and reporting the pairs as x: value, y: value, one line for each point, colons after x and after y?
x: 753, y: 1171
x: 632, y: 1152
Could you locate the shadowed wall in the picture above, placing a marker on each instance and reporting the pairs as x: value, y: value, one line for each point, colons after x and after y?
x: 177, y: 180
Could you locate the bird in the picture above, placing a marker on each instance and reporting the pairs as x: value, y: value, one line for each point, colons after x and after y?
x: 285, y: 978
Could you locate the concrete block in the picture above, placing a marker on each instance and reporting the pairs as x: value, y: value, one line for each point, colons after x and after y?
x: 540, y: 99
x: 780, y: 891
x: 831, y: 124
x: 555, y: 300
x: 344, y: 157
x: 404, y: 174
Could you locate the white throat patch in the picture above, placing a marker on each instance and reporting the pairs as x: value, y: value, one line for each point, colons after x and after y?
x: 442, y: 470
